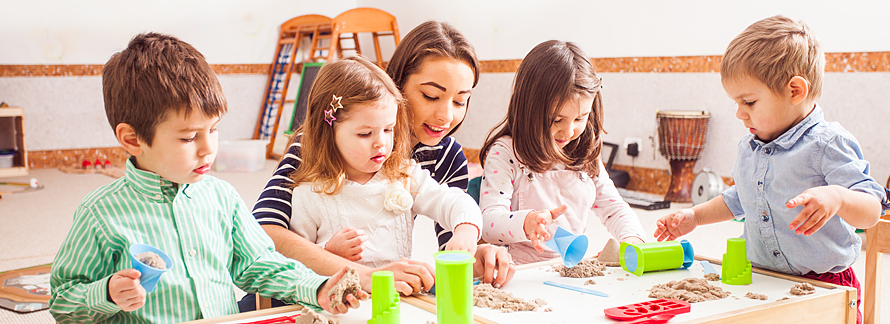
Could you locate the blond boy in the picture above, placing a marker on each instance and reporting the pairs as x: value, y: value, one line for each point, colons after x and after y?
x: 802, y: 184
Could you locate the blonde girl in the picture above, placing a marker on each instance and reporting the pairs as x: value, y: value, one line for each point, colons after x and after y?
x: 356, y: 172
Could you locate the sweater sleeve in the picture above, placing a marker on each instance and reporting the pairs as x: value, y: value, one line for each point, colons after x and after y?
x: 615, y: 214
x: 448, y: 206
x: 273, y: 207
x: 452, y: 166
x: 501, y: 224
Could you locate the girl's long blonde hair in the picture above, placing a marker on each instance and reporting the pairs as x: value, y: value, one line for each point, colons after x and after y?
x: 553, y: 73
x: 358, y: 82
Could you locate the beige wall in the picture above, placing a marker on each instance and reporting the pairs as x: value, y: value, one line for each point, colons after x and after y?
x: 66, y: 112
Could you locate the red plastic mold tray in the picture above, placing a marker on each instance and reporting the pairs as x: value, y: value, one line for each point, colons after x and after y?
x: 647, y: 309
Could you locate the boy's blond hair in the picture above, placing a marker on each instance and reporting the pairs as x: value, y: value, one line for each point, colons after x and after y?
x: 773, y: 50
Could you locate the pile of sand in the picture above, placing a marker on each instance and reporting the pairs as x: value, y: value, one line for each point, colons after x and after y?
x: 802, y: 289
x: 309, y: 316
x: 348, y: 285
x: 692, y: 290
x: 484, y: 295
x: 152, y: 259
x: 754, y: 295
x: 712, y: 277
x: 609, y: 256
x: 584, y: 269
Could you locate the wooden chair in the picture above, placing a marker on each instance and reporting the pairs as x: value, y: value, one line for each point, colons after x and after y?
x: 350, y: 23
x: 286, y: 63
x: 263, y: 302
x: 877, y: 243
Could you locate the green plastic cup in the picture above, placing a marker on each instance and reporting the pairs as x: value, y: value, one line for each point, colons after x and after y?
x: 655, y: 256
x: 736, y: 269
x: 454, y: 287
x: 385, y: 299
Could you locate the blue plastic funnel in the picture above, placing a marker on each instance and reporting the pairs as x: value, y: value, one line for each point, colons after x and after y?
x: 572, y: 247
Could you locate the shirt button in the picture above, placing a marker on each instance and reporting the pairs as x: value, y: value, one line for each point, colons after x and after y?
x: 776, y: 253
x: 767, y: 150
x: 759, y: 183
x: 158, y: 196
x: 193, y: 252
x: 764, y: 217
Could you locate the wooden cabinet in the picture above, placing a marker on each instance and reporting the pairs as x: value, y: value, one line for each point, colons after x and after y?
x: 12, y: 136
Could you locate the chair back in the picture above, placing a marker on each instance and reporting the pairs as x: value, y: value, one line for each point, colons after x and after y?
x: 366, y: 20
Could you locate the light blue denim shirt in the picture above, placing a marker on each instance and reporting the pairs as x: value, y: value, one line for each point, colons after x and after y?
x: 812, y: 153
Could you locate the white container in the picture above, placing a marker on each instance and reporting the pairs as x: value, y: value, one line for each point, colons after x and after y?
x: 6, y: 159
x: 240, y: 156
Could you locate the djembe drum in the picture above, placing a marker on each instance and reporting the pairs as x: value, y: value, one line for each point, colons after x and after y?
x: 681, y: 138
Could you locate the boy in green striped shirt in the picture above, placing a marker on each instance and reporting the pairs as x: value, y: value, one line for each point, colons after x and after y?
x: 164, y: 103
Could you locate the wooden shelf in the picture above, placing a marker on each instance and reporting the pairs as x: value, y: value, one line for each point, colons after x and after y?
x: 15, y: 136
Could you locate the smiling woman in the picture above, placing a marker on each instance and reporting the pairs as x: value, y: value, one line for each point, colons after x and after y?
x: 436, y: 69
x: 438, y: 95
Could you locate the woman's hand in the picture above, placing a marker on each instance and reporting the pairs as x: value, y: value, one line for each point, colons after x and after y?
x: 494, y: 264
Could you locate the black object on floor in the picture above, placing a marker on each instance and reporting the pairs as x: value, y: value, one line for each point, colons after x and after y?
x: 619, y: 177
x: 248, y: 303
x: 643, y: 200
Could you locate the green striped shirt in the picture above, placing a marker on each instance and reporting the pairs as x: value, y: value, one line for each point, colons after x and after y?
x: 206, y: 230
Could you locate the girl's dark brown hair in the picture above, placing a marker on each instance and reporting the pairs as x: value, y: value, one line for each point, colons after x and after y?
x: 155, y: 75
x: 553, y: 73
x: 431, y: 39
x: 357, y: 81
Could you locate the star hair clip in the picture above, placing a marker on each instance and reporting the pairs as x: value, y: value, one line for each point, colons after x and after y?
x: 329, y: 114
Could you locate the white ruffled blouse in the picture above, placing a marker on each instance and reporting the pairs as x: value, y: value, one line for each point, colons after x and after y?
x: 363, y: 206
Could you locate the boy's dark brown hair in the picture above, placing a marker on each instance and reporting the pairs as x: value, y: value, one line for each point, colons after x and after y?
x: 155, y: 75
x: 431, y: 39
x: 357, y: 82
x: 553, y: 73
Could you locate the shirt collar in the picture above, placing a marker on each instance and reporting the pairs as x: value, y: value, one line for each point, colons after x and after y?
x: 150, y: 184
x: 790, y: 137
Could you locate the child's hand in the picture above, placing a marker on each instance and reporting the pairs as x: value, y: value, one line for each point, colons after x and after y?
x: 324, y: 299
x: 463, y: 238
x: 819, y: 205
x: 494, y: 264
x: 125, y: 290
x: 676, y: 224
x: 347, y: 243
x: 536, y: 223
